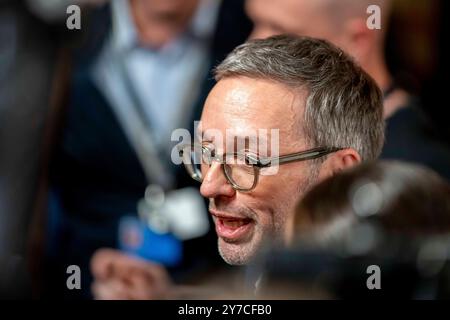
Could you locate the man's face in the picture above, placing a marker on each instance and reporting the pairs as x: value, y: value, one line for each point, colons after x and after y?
x: 245, y: 220
x: 300, y: 17
x: 168, y: 10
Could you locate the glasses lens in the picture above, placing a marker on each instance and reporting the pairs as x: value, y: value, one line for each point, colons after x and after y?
x: 240, y: 173
x: 192, y: 160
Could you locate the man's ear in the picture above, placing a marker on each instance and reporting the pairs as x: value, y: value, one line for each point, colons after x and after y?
x: 338, y: 161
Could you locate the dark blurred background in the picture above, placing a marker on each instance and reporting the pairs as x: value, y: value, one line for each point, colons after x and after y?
x: 417, y: 53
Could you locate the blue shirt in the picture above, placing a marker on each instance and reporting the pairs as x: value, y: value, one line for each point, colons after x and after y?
x: 166, y: 80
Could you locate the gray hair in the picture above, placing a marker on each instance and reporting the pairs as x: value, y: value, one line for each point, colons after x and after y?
x: 344, y: 105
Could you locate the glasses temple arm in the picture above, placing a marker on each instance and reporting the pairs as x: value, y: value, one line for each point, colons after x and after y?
x: 301, y: 156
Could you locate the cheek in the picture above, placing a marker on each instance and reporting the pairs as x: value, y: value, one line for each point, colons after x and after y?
x: 272, y: 203
x: 286, y: 181
x: 282, y: 191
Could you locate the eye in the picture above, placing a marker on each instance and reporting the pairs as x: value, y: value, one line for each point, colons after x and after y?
x: 209, y: 146
x: 207, y: 154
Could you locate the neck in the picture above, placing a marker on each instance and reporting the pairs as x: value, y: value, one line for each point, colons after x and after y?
x: 375, y: 65
x: 377, y: 68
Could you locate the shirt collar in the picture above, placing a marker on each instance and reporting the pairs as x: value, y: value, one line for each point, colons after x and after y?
x: 124, y: 33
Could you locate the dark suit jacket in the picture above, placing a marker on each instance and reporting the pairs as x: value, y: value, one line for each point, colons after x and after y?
x: 410, y: 136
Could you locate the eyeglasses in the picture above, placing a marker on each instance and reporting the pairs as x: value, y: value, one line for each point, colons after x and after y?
x: 241, y: 169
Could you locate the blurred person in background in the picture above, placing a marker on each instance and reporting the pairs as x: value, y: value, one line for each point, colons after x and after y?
x: 140, y: 71
x: 329, y: 115
x: 403, y: 198
x: 28, y: 51
x: 409, y: 134
x: 31, y: 34
x: 389, y: 213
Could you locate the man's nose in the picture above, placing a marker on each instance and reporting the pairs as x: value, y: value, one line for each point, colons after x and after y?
x: 215, y: 183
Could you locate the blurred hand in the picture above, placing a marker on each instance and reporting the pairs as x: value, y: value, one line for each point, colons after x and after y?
x: 119, y: 276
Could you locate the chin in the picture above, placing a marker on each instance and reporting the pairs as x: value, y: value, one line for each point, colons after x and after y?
x: 236, y: 254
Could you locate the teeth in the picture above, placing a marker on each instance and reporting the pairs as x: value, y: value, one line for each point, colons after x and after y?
x: 234, y: 223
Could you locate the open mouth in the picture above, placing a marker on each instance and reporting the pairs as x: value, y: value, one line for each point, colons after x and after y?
x: 232, y: 228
